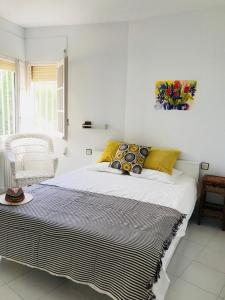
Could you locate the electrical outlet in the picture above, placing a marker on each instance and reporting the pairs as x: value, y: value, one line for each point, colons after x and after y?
x: 204, y: 166
x: 88, y: 151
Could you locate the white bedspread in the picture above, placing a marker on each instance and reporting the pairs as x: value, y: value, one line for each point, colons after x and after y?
x: 180, y: 196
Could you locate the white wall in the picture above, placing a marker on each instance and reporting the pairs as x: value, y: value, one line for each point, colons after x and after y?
x: 185, y: 46
x: 11, y: 40
x: 97, y: 81
x: 106, y: 83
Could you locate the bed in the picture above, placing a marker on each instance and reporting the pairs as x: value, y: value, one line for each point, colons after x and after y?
x: 180, y: 197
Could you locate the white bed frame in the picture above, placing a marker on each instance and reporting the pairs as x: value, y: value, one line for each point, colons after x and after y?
x: 187, y: 167
x: 190, y: 168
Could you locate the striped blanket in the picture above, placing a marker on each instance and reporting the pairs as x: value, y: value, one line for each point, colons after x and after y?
x: 115, y: 244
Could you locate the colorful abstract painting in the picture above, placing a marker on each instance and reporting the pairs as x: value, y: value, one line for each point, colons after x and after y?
x: 175, y: 94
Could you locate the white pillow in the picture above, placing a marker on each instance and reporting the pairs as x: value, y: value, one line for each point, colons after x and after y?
x: 158, y: 176
x: 103, y: 167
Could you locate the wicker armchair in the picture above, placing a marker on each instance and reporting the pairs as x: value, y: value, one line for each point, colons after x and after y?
x: 31, y: 157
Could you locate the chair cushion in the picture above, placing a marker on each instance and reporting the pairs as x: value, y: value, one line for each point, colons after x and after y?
x: 33, y: 174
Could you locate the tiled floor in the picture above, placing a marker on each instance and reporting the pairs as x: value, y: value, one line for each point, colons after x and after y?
x: 197, y: 269
x: 197, y: 272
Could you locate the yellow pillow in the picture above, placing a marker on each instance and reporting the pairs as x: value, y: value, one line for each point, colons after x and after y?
x: 161, y: 159
x: 110, y: 151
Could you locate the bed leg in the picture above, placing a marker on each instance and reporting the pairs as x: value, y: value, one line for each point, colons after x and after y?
x: 0, y: 258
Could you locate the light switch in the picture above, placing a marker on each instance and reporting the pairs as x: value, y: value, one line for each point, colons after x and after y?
x: 204, y: 166
x: 88, y: 151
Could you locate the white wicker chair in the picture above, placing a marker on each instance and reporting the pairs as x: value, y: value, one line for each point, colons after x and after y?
x: 31, y: 158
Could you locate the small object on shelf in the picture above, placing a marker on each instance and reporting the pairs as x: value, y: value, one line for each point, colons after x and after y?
x: 212, y: 184
x: 14, y: 195
x: 87, y: 124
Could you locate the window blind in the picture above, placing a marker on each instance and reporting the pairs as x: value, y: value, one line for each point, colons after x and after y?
x: 7, y: 65
x: 44, y: 73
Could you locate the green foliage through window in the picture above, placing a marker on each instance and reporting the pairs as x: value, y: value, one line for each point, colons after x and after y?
x: 7, y: 102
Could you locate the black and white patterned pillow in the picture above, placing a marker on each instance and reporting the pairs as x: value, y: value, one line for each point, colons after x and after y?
x: 130, y: 158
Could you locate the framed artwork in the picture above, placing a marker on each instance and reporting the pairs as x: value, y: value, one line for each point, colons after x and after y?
x: 175, y: 94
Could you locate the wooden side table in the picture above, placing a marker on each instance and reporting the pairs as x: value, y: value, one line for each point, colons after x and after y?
x: 213, y: 184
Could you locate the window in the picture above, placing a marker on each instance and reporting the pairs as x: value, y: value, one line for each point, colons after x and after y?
x: 7, y: 97
x: 49, y: 98
x: 44, y: 91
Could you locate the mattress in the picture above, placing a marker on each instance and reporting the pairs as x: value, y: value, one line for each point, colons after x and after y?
x: 180, y: 196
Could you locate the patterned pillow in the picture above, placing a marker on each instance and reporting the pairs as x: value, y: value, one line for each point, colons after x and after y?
x: 130, y: 158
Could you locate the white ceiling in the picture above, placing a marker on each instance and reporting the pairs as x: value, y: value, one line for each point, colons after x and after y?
x: 35, y: 13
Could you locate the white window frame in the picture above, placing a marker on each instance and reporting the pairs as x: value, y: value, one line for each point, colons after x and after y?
x: 62, y: 131
x: 62, y: 86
